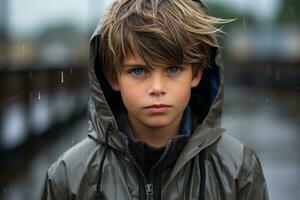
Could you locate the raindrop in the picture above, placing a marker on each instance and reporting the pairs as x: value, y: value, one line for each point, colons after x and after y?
x: 39, y: 96
x: 23, y: 48
x: 62, y: 77
x: 244, y: 24
x: 251, y: 100
x: 267, y: 100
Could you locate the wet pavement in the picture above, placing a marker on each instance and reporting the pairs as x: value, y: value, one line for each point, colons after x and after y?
x: 265, y: 120
x: 269, y: 122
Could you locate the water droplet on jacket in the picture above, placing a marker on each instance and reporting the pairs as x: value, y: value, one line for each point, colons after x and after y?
x: 62, y: 76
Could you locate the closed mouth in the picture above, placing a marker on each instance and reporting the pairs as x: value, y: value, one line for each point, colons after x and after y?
x: 157, y: 106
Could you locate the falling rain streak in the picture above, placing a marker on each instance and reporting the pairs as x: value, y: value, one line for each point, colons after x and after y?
x: 244, y: 24
x: 62, y: 77
x: 23, y: 48
x: 39, y: 95
x: 251, y: 100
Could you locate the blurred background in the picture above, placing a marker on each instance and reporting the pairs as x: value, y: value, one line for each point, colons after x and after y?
x: 44, y: 86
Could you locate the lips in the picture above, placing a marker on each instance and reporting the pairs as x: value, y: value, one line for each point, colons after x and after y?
x: 157, y: 108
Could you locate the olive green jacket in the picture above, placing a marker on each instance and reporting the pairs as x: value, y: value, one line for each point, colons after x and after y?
x: 212, y: 165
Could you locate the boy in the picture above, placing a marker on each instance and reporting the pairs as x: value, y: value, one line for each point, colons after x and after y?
x: 155, y: 113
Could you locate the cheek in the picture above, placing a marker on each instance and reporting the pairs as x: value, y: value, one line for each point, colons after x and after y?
x: 183, y: 96
x: 130, y: 96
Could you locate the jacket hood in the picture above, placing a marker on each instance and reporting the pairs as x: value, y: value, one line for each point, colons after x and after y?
x: 206, y: 102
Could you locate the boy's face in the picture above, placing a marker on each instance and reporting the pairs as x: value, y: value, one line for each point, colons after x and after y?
x: 157, y: 97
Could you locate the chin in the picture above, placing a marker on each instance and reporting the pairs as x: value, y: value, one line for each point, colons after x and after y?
x: 158, y: 123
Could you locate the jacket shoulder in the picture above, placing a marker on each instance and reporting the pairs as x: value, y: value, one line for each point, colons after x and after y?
x: 77, y: 154
x: 240, y: 164
x: 240, y: 158
x: 228, y: 152
x: 80, y: 152
x: 73, y: 166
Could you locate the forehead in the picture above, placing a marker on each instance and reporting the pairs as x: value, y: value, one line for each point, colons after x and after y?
x: 134, y: 58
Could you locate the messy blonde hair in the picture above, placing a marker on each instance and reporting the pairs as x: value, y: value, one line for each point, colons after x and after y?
x: 162, y: 32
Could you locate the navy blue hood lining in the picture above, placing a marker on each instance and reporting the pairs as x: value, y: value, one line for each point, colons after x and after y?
x: 204, y: 94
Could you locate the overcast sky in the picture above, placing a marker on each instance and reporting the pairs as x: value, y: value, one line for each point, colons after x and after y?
x: 264, y: 9
x: 30, y: 15
x: 26, y: 16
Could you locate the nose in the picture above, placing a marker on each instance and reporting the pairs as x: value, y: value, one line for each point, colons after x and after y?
x: 157, y: 87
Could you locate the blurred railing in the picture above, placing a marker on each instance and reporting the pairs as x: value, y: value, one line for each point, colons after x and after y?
x: 33, y: 101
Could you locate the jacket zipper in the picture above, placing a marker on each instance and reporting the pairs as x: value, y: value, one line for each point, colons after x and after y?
x: 149, y: 191
x: 148, y: 185
x: 148, y: 181
x: 148, y: 188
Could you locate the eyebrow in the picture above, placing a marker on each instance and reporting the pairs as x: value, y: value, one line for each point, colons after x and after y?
x: 135, y: 65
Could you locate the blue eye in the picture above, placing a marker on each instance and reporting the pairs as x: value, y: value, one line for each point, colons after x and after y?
x: 137, y: 71
x: 174, y: 69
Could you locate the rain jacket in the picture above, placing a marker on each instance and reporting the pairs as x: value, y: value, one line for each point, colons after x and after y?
x: 211, y: 165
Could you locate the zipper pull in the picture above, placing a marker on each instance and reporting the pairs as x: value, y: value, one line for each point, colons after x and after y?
x: 149, y: 189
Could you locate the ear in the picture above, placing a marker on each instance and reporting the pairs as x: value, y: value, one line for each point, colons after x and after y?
x: 112, y: 82
x: 197, y: 79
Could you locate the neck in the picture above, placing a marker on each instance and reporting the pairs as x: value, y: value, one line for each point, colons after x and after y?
x: 155, y: 136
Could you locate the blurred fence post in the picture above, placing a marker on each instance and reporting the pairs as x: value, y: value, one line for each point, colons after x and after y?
x: 4, y: 36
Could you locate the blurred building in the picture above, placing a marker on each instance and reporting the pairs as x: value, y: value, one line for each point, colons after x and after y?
x: 266, y: 56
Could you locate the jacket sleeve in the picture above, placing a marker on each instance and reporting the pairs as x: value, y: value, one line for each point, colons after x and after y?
x: 55, y: 186
x: 251, y: 181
